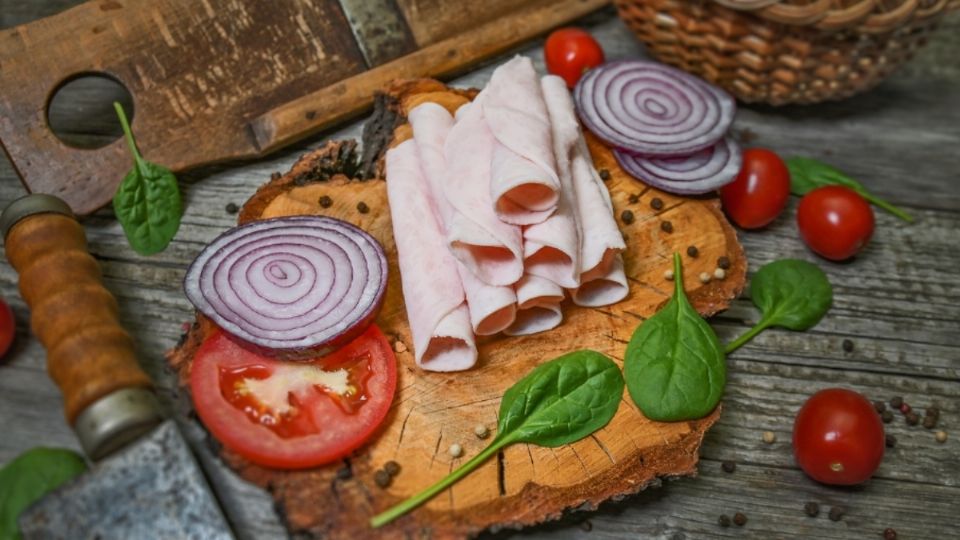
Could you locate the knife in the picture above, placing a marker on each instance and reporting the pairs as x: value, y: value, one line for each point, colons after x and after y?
x: 146, y: 483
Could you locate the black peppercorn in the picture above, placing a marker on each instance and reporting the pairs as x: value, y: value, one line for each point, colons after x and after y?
x: 812, y: 509
x: 847, y: 345
x: 656, y: 203
x: 362, y: 207
x: 889, y: 534
x: 666, y: 227
x: 692, y: 251
x: 392, y: 468
x: 344, y: 473
x: 274, y: 175
x: 728, y: 466
x: 933, y: 411
x: 604, y: 174
x: 929, y: 422
x: 586, y: 525
x: 723, y: 262
x: 887, y: 417
x: 879, y: 406
x: 232, y: 208
x: 837, y: 513
x: 724, y: 520
x: 627, y: 217
x: 912, y: 419
x: 740, y: 519
x: 896, y: 402
x: 325, y: 201
x: 634, y: 198
x: 382, y: 478
x: 890, y: 441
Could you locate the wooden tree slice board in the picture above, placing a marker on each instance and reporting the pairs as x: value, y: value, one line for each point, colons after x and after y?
x: 526, y: 484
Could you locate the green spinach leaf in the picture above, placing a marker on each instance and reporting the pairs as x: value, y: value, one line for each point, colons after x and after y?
x: 28, y: 477
x: 807, y: 174
x: 559, y: 402
x: 791, y: 294
x: 674, y: 365
x: 147, y: 203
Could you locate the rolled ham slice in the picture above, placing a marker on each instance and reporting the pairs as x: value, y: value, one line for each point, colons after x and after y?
x: 601, y: 275
x: 551, y: 248
x: 602, y: 278
x: 443, y: 338
x: 539, y: 306
x: 488, y: 247
x: 524, y: 184
x: 602, y: 288
x: 492, y: 308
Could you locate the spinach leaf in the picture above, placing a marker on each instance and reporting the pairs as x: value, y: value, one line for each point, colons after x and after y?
x: 559, y: 402
x: 807, y: 174
x: 674, y: 365
x: 147, y: 203
x: 28, y: 477
x: 791, y: 294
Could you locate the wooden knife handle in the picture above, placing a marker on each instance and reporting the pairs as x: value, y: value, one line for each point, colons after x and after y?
x: 89, y: 355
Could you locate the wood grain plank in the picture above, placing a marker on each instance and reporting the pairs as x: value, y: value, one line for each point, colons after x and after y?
x: 195, y: 74
x: 433, y: 20
x: 772, y: 499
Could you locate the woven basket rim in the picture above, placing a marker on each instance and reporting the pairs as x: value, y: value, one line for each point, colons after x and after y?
x: 871, y: 16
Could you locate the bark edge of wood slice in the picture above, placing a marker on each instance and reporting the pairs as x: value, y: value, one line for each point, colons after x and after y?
x: 525, y: 484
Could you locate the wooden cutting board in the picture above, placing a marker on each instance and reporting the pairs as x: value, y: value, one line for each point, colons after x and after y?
x: 526, y: 484
x: 217, y: 80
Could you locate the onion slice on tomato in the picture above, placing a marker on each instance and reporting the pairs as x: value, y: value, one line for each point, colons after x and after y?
x: 291, y: 287
x: 651, y: 109
x: 700, y: 172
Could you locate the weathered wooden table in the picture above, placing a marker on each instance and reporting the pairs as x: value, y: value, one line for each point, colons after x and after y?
x: 898, y: 303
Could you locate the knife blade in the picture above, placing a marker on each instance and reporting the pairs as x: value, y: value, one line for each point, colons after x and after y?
x: 380, y: 30
x: 147, y: 484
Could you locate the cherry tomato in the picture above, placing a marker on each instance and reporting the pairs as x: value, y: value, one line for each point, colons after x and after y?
x: 760, y: 192
x: 293, y: 415
x: 838, y: 437
x: 8, y: 327
x: 571, y: 52
x: 835, y: 222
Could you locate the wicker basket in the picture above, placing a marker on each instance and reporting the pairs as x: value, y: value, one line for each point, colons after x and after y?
x: 785, y: 51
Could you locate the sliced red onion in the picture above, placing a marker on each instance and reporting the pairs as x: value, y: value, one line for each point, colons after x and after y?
x: 292, y: 287
x: 651, y: 109
x: 703, y: 171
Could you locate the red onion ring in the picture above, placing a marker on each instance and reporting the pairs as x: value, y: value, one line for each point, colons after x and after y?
x: 651, y: 109
x: 703, y: 171
x: 291, y: 287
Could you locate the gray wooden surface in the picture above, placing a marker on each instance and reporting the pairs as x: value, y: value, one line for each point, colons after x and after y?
x: 899, y: 303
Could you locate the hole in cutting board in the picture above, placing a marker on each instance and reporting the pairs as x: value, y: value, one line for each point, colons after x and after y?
x: 80, y: 111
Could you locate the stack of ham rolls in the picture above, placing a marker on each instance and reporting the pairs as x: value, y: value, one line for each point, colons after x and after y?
x: 497, y: 214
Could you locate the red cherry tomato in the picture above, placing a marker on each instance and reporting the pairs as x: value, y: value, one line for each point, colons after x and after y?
x: 838, y: 437
x: 835, y: 222
x: 293, y: 415
x: 8, y: 327
x: 571, y: 52
x: 760, y: 192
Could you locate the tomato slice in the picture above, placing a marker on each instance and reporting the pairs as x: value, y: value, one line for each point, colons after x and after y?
x: 293, y: 415
x: 8, y: 327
